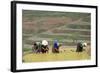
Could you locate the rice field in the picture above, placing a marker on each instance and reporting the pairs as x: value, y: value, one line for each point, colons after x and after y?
x: 64, y: 55
x: 66, y: 27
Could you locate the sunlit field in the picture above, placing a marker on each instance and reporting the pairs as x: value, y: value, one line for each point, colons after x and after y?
x: 68, y: 28
x: 65, y: 54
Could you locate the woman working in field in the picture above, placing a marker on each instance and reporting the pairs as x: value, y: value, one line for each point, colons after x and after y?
x: 56, y: 46
x: 44, y: 47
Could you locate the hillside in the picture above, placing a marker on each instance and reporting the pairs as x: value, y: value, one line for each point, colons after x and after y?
x: 67, y: 27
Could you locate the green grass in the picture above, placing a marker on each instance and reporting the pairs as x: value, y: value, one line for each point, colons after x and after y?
x: 74, y: 32
x: 77, y: 26
x: 74, y: 15
x: 87, y: 19
x: 63, y: 36
x: 27, y: 49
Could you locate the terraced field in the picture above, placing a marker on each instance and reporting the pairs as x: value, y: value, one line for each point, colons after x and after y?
x: 67, y: 27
